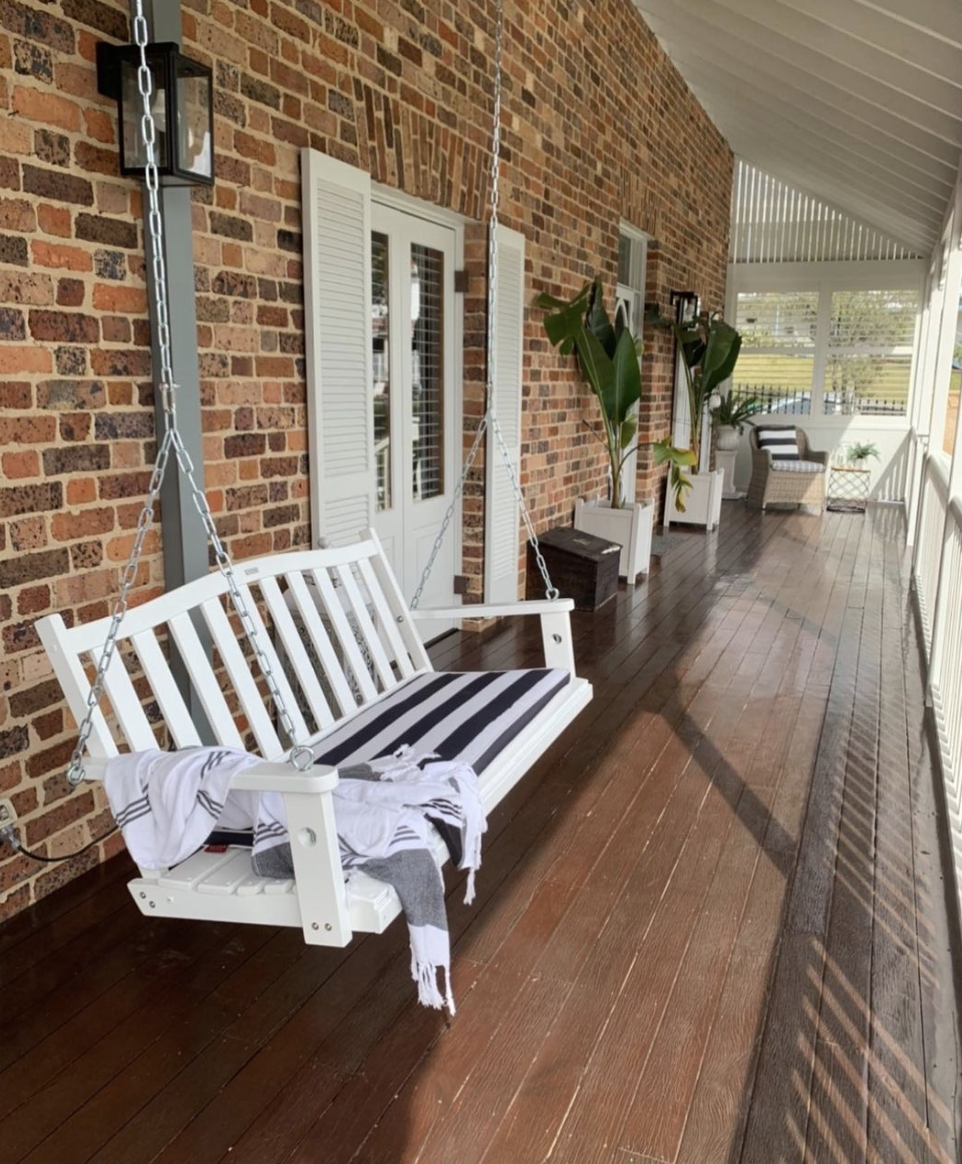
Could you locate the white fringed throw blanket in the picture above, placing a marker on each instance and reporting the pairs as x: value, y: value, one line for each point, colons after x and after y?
x: 167, y: 804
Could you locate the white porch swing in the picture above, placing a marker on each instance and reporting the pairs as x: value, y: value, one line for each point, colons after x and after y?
x: 374, y: 655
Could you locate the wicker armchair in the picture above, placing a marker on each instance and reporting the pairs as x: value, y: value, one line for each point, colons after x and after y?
x: 800, y: 482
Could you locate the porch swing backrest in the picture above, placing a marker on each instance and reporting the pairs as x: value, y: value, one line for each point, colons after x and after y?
x: 334, y: 612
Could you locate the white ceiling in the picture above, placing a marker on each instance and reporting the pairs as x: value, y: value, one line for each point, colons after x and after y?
x: 858, y: 102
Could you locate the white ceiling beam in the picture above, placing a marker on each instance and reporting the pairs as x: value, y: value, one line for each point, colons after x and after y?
x: 826, y: 96
x: 905, y: 41
x: 758, y: 41
x: 821, y: 118
x: 867, y: 169
x: 843, y: 48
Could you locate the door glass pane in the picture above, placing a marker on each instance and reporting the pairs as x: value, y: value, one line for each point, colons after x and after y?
x: 381, y: 369
x: 427, y: 371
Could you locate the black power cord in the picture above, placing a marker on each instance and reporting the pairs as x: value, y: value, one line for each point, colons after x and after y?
x: 8, y: 834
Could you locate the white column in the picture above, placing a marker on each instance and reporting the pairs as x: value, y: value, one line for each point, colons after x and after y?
x: 947, y: 324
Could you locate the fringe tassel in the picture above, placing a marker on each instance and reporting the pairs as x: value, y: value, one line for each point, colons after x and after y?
x: 425, y: 974
x: 473, y: 862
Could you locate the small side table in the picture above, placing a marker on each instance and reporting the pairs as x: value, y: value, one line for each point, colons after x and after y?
x: 725, y: 460
x: 848, y: 489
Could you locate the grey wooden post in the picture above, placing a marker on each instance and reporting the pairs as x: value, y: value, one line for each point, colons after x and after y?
x: 184, y: 538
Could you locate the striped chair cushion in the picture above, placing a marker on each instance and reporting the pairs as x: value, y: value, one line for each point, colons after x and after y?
x: 785, y: 466
x: 782, y: 443
x: 467, y: 716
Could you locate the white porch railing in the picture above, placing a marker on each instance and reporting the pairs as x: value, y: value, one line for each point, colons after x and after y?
x: 937, y: 578
x: 933, y: 505
x: 945, y: 680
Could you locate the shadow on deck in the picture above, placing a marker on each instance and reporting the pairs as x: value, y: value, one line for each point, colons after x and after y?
x: 711, y: 925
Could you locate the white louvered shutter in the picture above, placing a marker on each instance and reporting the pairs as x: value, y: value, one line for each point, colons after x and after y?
x: 337, y: 290
x: 501, y: 508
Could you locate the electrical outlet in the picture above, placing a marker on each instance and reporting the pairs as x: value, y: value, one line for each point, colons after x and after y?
x: 8, y: 814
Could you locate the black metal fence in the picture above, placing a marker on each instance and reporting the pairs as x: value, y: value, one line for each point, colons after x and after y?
x: 785, y: 401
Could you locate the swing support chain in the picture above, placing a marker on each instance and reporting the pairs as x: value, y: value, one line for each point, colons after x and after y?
x: 300, y: 756
x: 490, y: 418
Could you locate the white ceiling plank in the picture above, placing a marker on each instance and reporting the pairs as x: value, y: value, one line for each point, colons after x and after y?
x: 819, y: 117
x: 867, y: 199
x: 855, y: 102
x: 867, y: 169
x: 905, y: 41
x: 828, y: 99
x: 941, y: 18
x: 713, y: 20
x: 839, y: 46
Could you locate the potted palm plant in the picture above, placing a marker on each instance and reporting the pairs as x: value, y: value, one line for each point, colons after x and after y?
x: 607, y: 355
x: 730, y: 418
x: 708, y: 347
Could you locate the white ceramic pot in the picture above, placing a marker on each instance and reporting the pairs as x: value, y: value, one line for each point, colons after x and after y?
x: 630, y: 526
x: 727, y: 437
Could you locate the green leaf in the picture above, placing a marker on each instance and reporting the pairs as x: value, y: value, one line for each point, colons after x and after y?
x: 664, y: 452
x: 596, y: 367
x: 597, y: 321
x: 628, y: 429
x: 565, y: 322
x: 624, y: 389
x: 721, y: 354
x: 680, y: 482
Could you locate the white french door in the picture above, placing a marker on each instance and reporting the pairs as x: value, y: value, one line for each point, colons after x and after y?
x: 415, y: 402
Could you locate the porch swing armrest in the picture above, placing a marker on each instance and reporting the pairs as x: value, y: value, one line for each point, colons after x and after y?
x: 265, y: 776
x: 555, y: 624
x: 497, y: 610
x: 279, y: 776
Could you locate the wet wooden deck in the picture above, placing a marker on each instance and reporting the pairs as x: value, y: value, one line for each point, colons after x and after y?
x: 710, y: 928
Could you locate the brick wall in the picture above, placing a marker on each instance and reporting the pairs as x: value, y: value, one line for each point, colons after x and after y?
x: 598, y: 127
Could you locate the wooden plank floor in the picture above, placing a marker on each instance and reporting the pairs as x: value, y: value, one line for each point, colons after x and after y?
x: 710, y: 927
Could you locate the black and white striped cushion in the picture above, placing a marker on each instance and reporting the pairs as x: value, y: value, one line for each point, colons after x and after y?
x: 786, y: 466
x: 470, y: 716
x: 466, y: 716
x: 782, y: 443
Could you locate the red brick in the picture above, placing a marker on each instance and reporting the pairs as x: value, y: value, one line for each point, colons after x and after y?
x: 47, y: 107
x: 111, y: 297
x: 59, y: 256
x: 54, y: 220
x: 20, y: 465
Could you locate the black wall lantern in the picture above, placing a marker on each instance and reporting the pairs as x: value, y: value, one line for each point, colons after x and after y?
x: 685, y: 304
x: 182, y: 105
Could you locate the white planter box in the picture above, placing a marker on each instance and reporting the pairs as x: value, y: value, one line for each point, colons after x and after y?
x: 702, y: 501
x: 629, y: 526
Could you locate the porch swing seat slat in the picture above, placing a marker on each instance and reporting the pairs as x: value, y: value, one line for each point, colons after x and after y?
x: 348, y: 652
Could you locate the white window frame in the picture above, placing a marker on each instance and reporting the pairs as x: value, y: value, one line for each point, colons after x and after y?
x: 897, y: 274
x: 633, y: 292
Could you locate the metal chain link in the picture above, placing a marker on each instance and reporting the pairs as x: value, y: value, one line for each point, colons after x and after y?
x: 449, y: 513
x: 300, y: 756
x: 490, y: 418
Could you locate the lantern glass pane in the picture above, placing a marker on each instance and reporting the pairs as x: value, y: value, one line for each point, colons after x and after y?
x: 194, y: 124
x: 135, y: 153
